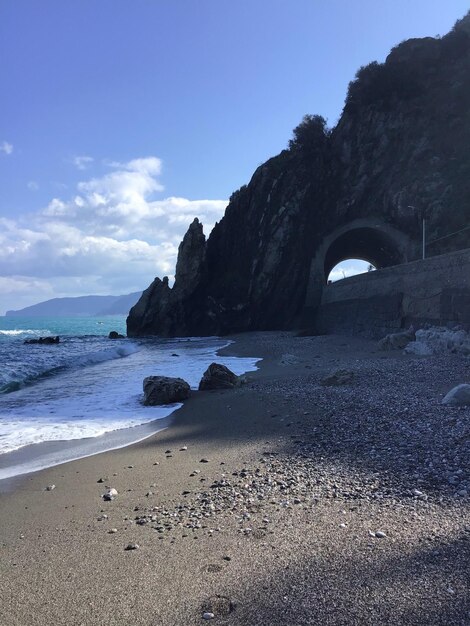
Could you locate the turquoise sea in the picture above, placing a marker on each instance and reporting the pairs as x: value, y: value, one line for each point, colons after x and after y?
x: 86, y: 386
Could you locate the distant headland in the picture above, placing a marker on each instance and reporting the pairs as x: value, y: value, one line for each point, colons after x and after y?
x: 80, y: 306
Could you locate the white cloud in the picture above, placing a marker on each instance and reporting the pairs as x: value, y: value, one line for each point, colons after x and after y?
x: 6, y: 147
x: 82, y: 162
x: 111, y: 236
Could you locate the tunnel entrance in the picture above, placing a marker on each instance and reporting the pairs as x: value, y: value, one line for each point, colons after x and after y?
x: 349, y: 267
x: 373, y: 246
x: 367, y: 239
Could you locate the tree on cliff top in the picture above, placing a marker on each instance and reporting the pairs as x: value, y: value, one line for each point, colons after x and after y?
x: 310, y: 135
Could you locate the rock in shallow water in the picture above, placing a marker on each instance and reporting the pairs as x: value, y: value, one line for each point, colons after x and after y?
x: 218, y: 376
x: 164, y: 390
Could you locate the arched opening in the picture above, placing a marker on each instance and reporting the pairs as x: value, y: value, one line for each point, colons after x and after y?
x: 349, y: 267
x: 370, y: 245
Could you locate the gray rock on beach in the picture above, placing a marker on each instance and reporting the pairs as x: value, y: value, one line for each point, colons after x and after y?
x: 397, y: 341
x: 164, y: 390
x: 440, y: 340
x: 458, y: 396
x: 338, y: 377
x: 218, y: 376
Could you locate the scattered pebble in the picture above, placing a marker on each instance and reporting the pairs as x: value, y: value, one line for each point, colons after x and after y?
x: 204, y: 461
x: 132, y: 546
x: 50, y: 487
x: 111, y: 494
x: 208, y: 615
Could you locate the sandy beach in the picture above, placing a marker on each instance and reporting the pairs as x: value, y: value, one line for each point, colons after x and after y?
x: 283, y: 501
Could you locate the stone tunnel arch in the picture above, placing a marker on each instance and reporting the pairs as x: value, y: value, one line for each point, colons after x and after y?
x: 367, y: 244
x: 368, y: 239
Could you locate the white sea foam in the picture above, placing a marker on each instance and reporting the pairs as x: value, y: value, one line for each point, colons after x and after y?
x: 27, y: 331
x: 29, y: 430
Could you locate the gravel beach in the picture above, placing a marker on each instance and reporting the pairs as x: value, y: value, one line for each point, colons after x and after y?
x: 290, y: 500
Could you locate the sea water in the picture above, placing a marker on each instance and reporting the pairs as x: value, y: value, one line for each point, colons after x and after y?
x: 87, y: 385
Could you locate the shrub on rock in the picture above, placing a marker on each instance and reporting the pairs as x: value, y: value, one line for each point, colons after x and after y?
x: 165, y: 390
x: 218, y: 376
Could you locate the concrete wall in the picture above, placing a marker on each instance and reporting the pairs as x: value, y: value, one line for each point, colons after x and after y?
x: 434, y: 290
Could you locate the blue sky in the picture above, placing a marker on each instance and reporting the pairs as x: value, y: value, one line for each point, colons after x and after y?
x: 120, y: 121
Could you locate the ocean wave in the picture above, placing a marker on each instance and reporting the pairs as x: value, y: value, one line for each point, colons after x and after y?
x: 24, y: 432
x: 100, y: 356
x: 26, y: 332
x: 15, y: 380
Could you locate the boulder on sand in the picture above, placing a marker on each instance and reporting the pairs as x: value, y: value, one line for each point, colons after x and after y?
x: 339, y: 377
x: 397, y: 341
x: 164, y: 390
x: 218, y: 376
x: 458, y: 396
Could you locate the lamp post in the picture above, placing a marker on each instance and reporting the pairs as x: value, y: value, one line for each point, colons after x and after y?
x: 424, y: 230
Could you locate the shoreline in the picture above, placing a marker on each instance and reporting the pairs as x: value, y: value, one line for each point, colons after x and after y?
x: 36, y: 457
x: 275, y: 528
x: 42, y: 456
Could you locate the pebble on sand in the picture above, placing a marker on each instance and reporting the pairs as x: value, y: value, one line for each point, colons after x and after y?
x: 208, y: 615
x: 50, y: 487
x: 110, y: 494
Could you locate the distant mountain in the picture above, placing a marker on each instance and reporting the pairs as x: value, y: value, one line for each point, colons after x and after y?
x: 80, y: 306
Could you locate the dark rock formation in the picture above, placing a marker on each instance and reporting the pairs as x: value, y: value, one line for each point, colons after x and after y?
x: 399, y: 152
x: 164, y: 390
x: 43, y: 340
x: 115, y: 335
x: 218, y: 376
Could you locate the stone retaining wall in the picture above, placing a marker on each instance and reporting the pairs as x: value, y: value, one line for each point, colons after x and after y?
x: 434, y: 290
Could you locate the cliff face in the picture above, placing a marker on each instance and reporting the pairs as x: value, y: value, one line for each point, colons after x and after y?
x: 400, y: 150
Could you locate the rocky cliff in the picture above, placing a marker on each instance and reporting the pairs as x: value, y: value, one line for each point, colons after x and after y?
x: 399, y: 151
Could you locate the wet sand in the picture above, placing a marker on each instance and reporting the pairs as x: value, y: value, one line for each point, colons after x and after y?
x: 317, y: 505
